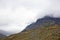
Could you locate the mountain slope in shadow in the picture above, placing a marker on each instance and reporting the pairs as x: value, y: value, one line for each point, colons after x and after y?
x: 46, y: 21
x: 47, y: 28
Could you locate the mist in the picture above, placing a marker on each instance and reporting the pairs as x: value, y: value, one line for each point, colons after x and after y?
x: 16, y: 15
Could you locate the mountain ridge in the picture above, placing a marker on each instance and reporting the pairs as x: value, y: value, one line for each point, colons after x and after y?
x: 46, y: 28
x: 42, y: 20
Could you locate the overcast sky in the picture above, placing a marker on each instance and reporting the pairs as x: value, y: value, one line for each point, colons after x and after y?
x: 15, y: 15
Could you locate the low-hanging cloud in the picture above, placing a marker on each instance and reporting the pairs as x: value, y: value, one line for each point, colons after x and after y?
x: 15, y: 15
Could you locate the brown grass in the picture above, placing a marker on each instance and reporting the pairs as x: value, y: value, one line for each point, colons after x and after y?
x: 44, y: 33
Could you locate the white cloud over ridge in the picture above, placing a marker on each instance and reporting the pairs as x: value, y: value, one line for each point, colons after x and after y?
x: 15, y: 15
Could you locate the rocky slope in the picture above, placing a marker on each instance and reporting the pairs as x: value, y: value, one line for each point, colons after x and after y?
x: 47, y: 28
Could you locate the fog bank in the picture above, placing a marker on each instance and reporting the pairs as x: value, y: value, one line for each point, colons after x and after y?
x: 16, y: 15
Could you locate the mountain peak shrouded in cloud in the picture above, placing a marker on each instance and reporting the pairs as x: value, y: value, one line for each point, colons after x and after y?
x: 47, y: 28
x: 45, y: 21
x: 16, y: 15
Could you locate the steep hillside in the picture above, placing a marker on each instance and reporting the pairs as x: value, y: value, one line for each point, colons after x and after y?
x: 43, y: 29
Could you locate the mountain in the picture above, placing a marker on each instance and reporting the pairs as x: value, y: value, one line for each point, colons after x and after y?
x: 47, y: 28
x: 1, y: 35
x: 46, y: 21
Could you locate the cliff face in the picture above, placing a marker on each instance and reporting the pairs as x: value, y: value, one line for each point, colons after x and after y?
x: 44, y: 29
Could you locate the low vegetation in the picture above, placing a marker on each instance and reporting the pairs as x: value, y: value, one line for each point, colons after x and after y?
x: 46, y: 33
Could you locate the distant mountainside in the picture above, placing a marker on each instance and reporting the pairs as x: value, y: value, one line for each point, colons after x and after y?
x: 1, y: 35
x: 47, y: 28
x: 46, y: 21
